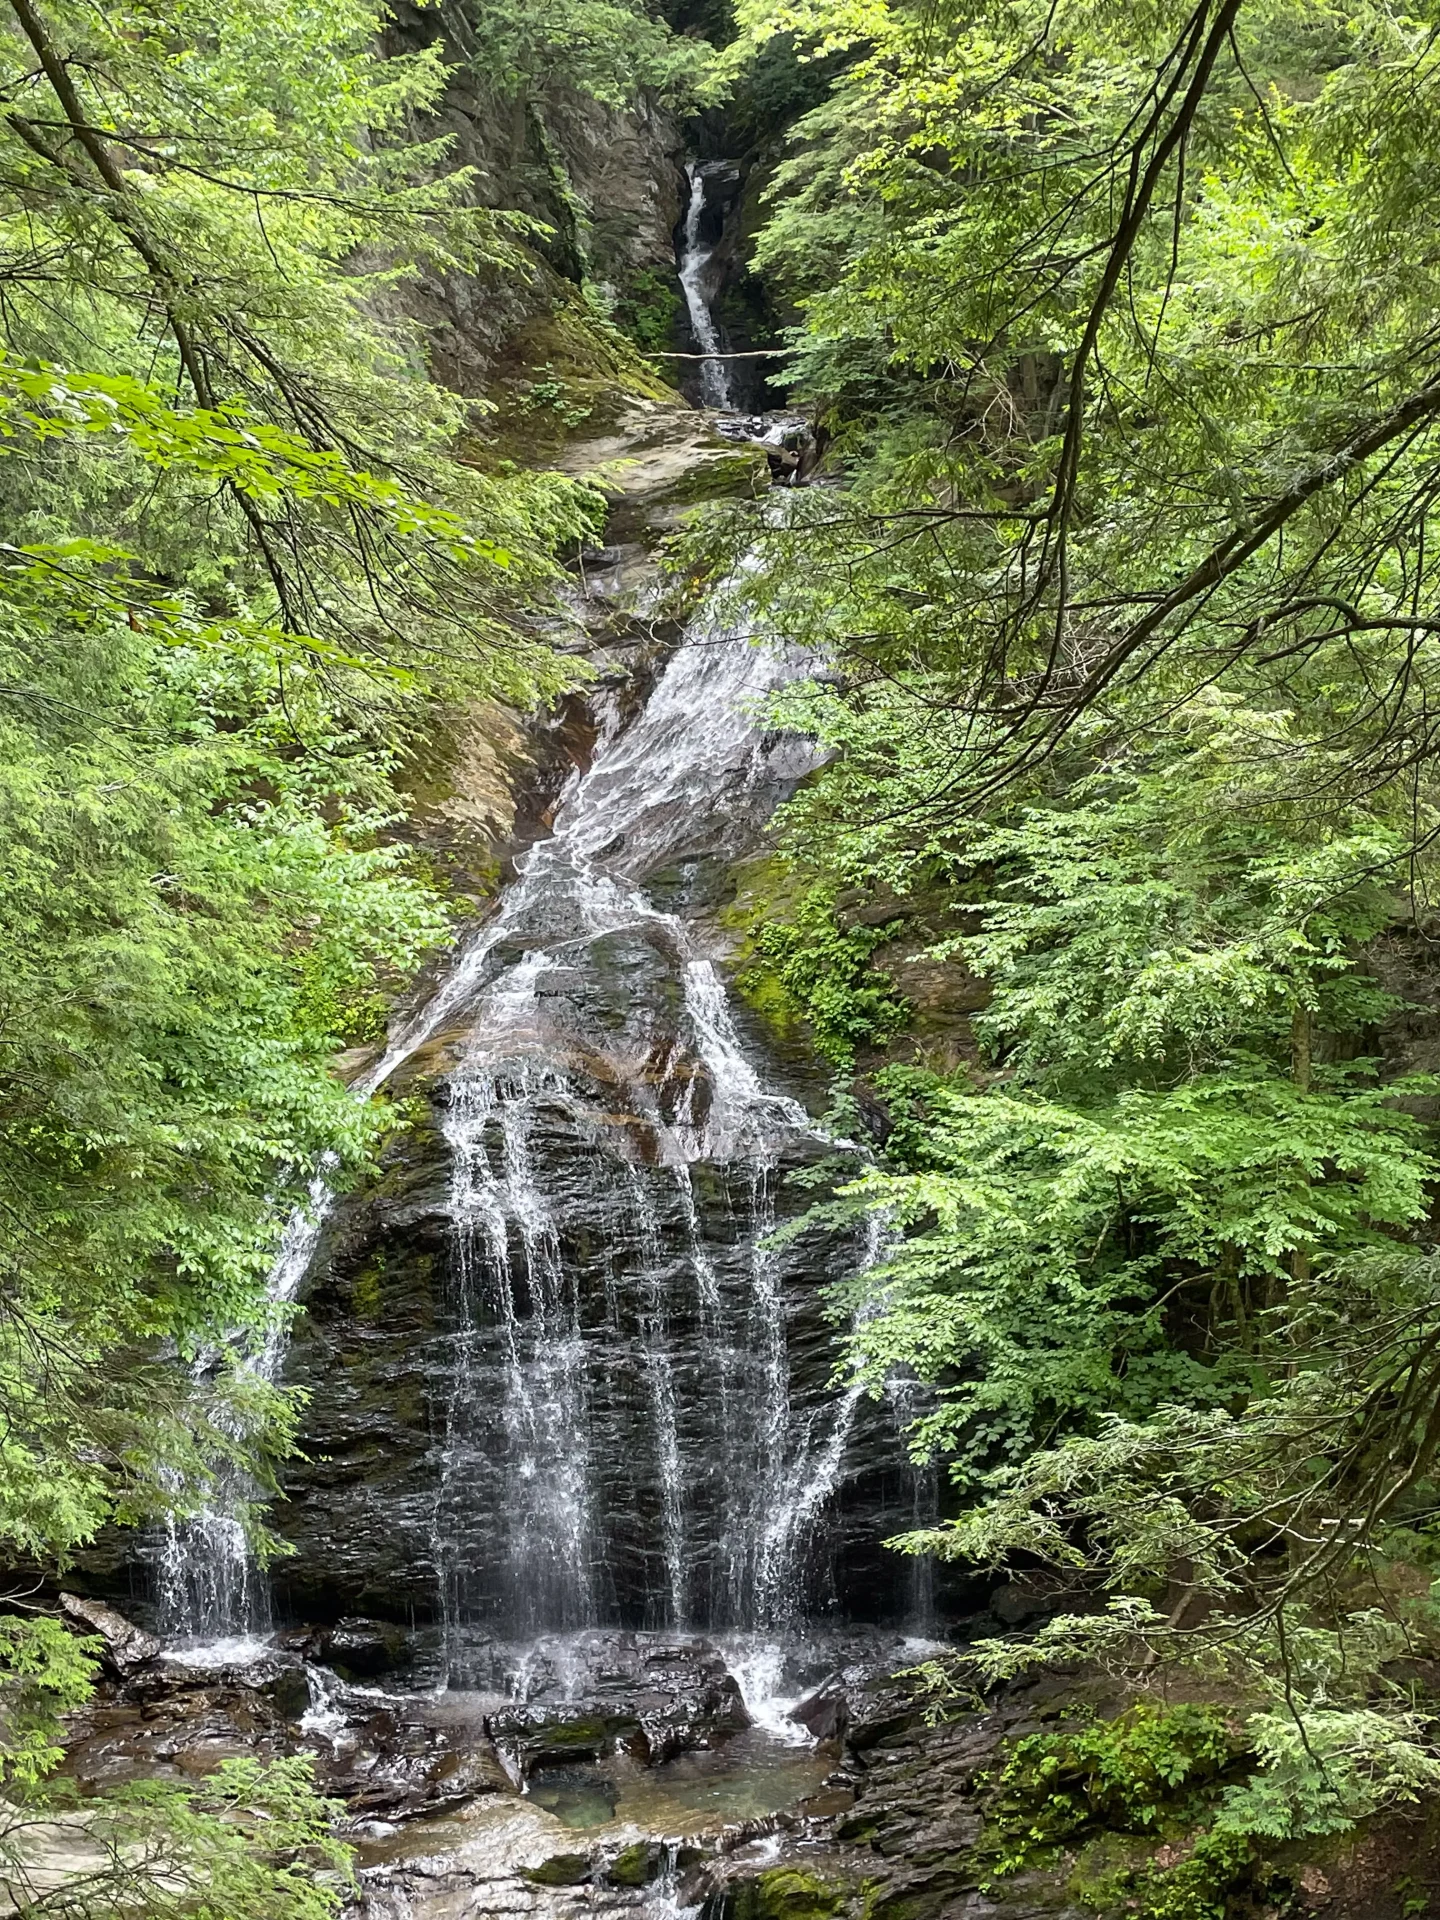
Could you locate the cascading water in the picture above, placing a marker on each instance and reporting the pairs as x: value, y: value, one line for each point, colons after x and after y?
x: 627, y: 1432
x: 210, y: 1590
x: 696, y: 253
x: 622, y: 1440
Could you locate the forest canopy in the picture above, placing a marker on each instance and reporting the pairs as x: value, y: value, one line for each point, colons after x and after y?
x: 241, y: 564
x: 1121, y: 323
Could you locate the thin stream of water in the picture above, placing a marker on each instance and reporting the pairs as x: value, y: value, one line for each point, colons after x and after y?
x: 695, y: 257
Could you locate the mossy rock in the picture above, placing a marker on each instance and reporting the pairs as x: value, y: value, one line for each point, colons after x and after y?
x: 858, y: 1831
x: 1106, y: 1858
x: 560, y: 1870
x: 786, y: 1893
x: 743, y: 474
x: 589, y: 1734
x: 634, y: 1866
x: 913, y: 1903
x: 565, y: 374
x: 1183, y: 1877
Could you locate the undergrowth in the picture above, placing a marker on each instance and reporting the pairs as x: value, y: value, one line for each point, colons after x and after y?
x: 1136, y: 1803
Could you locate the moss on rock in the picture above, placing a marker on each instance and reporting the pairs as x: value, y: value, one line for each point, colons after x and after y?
x: 634, y: 1866
x: 566, y: 374
x: 786, y: 1893
x: 560, y: 1870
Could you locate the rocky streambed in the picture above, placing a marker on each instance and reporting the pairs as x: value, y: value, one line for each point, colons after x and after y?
x: 585, y: 1772
x: 602, y: 1772
x: 679, y: 1777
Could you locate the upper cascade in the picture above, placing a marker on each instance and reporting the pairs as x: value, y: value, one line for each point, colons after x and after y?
x: 699, y: 280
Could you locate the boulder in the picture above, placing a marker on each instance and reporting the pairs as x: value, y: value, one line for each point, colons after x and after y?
x: 560, y: 1870
x: 825, y: 1713
x: 126, y: 1646
x: 358, y: 1649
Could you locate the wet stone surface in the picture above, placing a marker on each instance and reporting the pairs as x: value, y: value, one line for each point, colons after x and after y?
x: 600, y: 1771
x: 557, y: 1374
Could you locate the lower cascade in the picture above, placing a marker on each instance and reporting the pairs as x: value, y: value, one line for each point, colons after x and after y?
x: 639, y: 1482
x: 634, y: 1422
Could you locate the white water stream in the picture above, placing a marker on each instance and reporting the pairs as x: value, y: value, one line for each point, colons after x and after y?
x: 736, y: 1476
x: 551, y: 1081
x: 696, y: 254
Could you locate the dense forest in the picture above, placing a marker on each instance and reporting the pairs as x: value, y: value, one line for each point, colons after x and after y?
x: 1116, y: 330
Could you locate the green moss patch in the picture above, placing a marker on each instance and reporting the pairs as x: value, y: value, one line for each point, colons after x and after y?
x: 566, y: 374
x: 786, y: 1893
x: 560, y: 1870
x: 634, y: 1866
x: 1124, y: 1806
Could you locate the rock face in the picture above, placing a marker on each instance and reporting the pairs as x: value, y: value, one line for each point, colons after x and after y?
x: 654, y: 1696
x: 606, y: 182
x: 558, y: 1376
x: 386, y: 1755
x: 125, y: 1648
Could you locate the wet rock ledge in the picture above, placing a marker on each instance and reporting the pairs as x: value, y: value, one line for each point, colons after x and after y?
x: 621, y: 1773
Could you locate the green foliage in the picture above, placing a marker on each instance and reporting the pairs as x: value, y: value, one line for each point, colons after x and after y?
x: 251, y: 1841
x: 1324, y: 1770
x: 1125, y: 650
x: 238, y: 562
x: 1345, y: 1389
x: 45, y: 1671
x: 1159, y: 1807
x: 605, y: 49
x: 1052, y: 1233
x: 1126, y: 1772
x: 1145, y: 927
x: 648, y: 307
x: 823, y: 968
x: 241, y: 565
x: 1153, y: 1145
x: 225, y: 267
x: 1157, y: 1772
x: 1202, y: 1787
x: 1198, y: 1886
x: 772, y: 84
x: 192, y: 911
x: 550, y: 394
x: 1131, y: 440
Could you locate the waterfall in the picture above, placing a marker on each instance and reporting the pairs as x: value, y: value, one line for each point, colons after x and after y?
x: 695, y: 255
x: 209, y: 1586
x: 619, y: 1427
x: 625, y: 1432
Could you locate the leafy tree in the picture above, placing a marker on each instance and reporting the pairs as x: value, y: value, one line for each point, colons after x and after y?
x: 1121, y: 323
x: 251, y: 1841
x: 1128, y: 339
x: 243, y: 563
x: 607, y: 50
